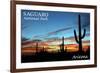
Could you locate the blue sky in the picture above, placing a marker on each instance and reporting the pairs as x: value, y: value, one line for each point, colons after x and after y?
x: 58, y: 24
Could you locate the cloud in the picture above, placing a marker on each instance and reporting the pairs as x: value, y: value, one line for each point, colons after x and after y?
x: 59, y: 30
x: 71, y: 39
x: 53, y: 38
x: 53, y: 32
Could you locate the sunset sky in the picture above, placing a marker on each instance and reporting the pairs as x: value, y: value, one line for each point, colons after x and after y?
x: 59, y: 24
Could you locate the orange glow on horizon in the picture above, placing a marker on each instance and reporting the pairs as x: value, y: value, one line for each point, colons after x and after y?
x: 53, y: 48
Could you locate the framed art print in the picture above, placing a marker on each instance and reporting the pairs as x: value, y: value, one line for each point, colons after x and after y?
x: 52, y: 36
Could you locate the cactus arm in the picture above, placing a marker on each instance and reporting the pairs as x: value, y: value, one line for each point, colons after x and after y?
x: 83, y: 34
x: 76, y: 36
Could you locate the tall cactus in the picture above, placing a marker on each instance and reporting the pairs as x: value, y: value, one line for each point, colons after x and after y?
x: 80, y: 36
x: 36, y: 47
x: 62, y: 45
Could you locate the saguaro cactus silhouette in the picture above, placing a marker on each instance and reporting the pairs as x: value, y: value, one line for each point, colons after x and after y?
x: 36, y: 47
x: 62, y: 45
x: 80, y: 36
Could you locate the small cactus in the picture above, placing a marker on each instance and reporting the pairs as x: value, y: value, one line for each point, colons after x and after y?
x: 62, y: 45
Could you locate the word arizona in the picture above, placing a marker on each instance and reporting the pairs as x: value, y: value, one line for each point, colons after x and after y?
x: 35, y: 14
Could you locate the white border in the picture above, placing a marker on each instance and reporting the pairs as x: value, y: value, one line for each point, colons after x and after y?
x: 20, y: 65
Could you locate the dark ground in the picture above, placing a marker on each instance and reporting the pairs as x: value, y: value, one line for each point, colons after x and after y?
x: 59, y: 56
